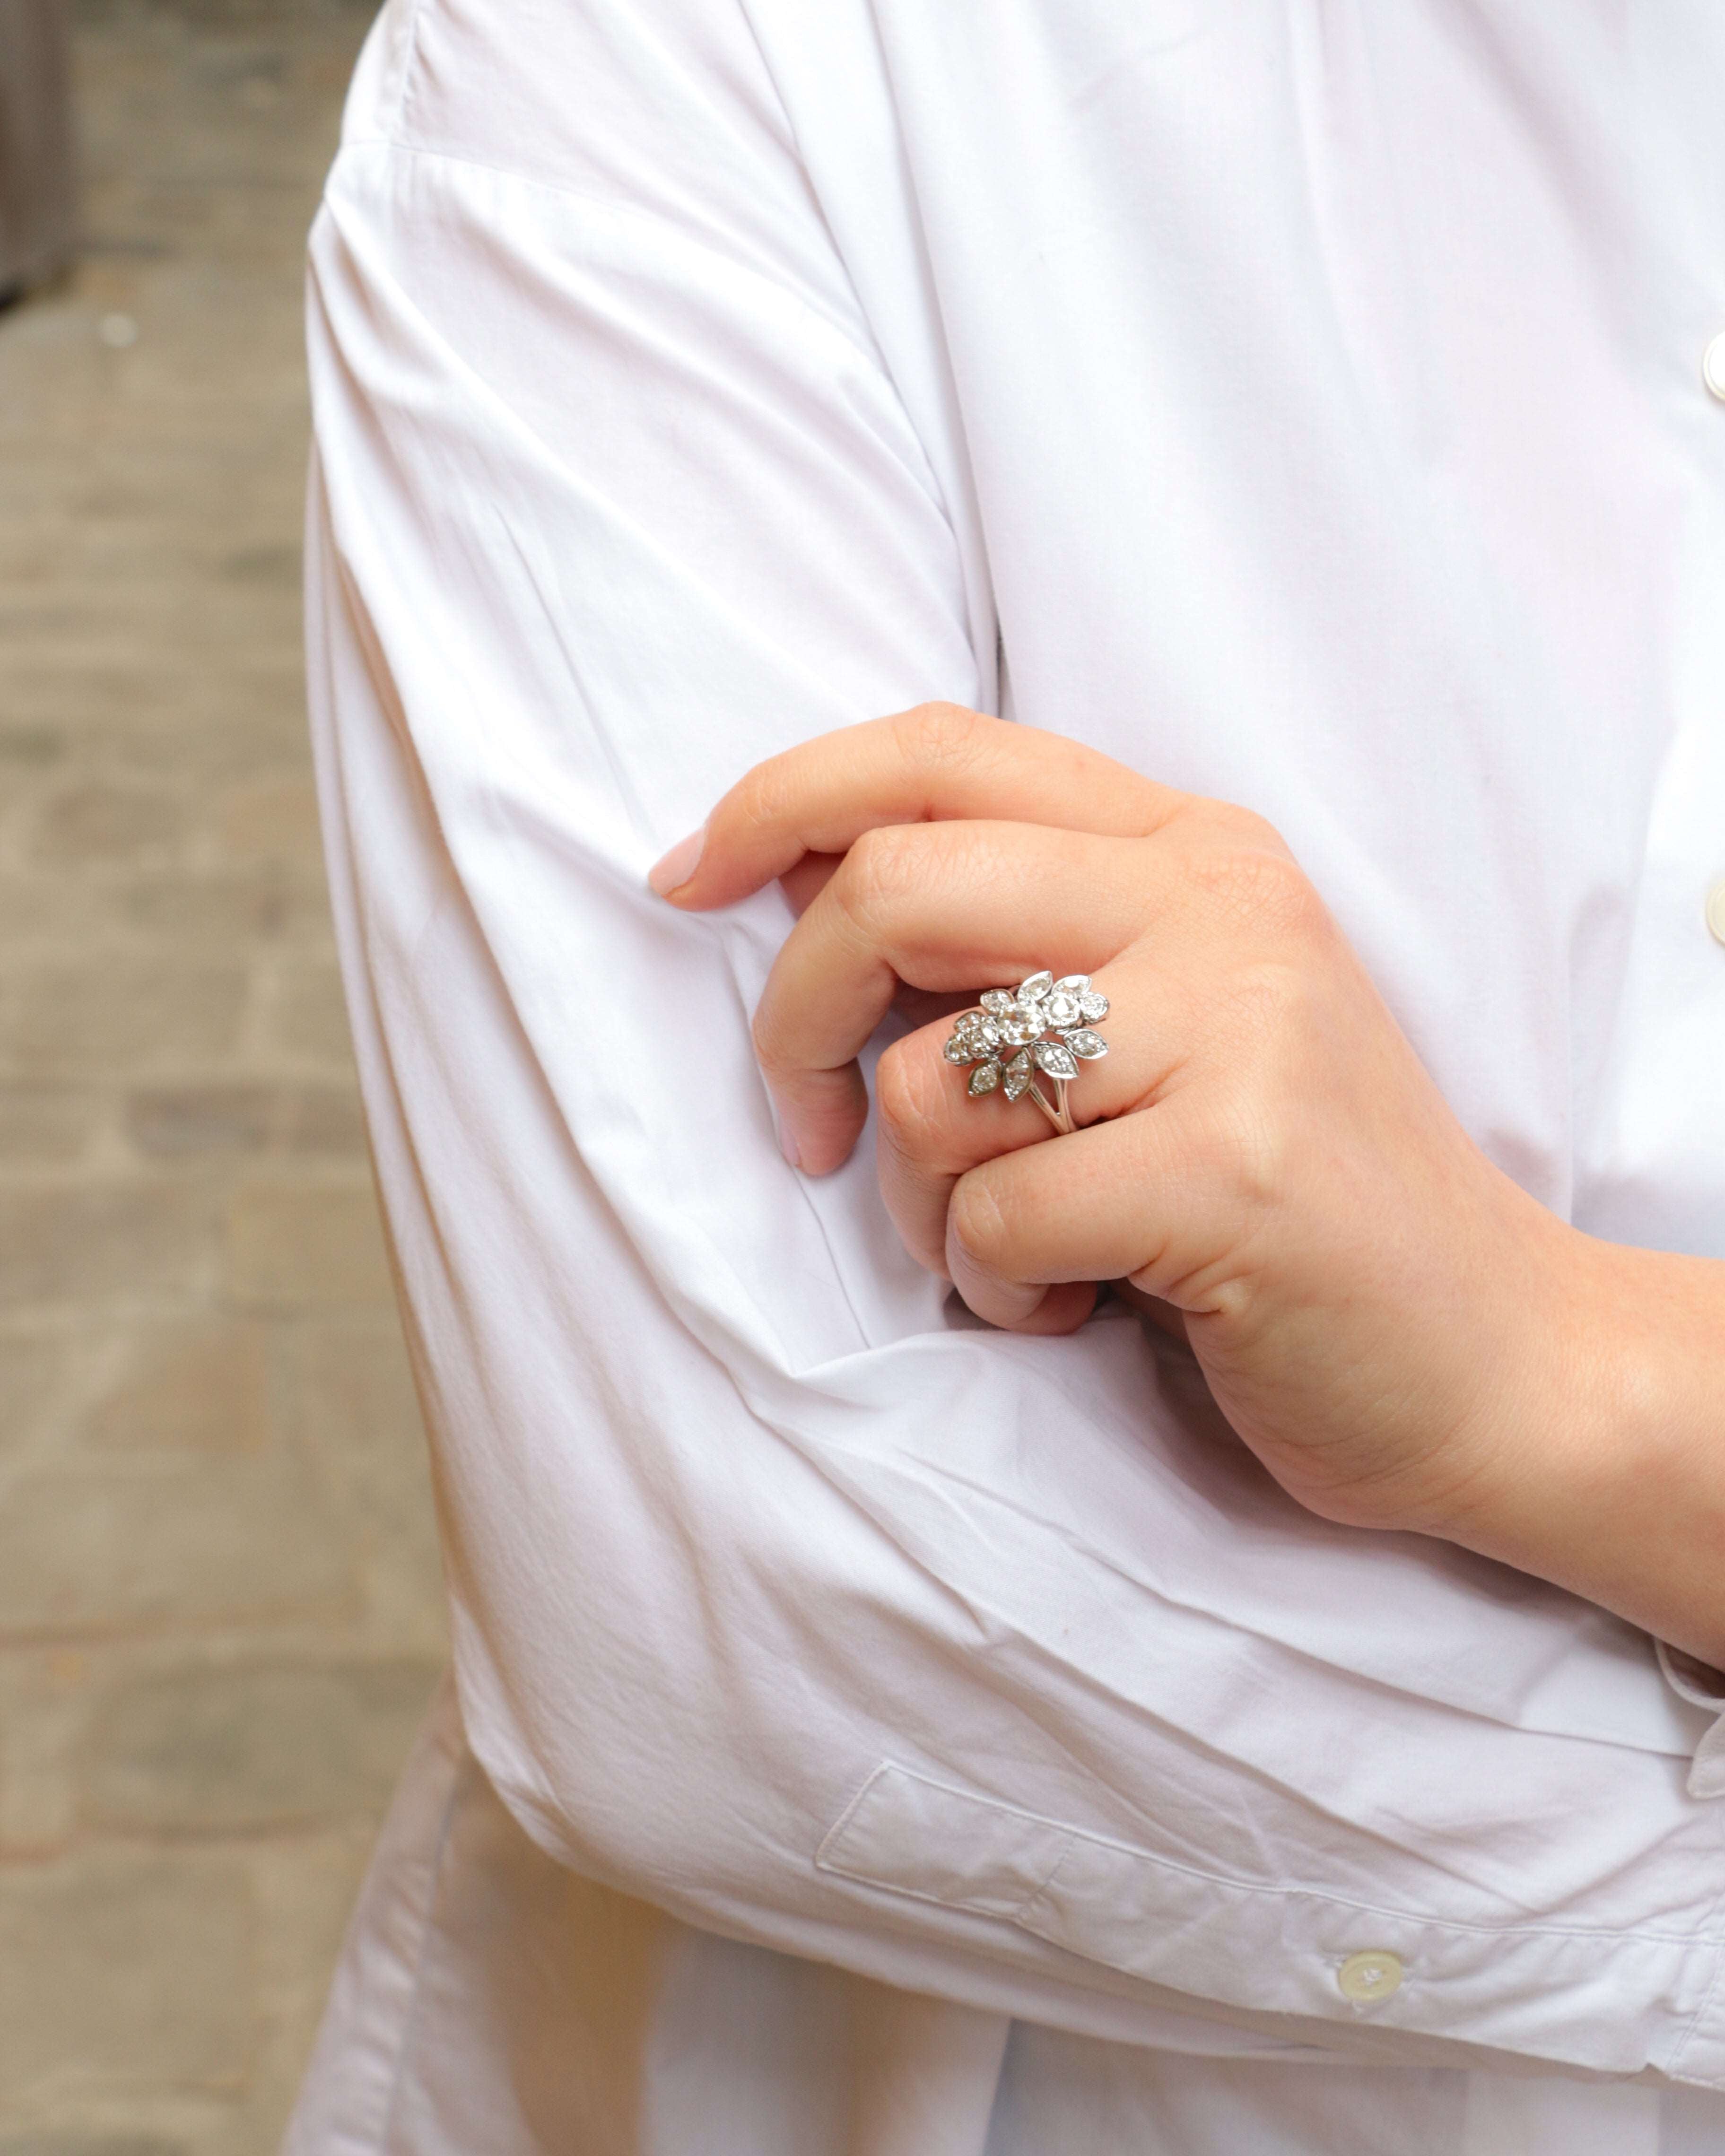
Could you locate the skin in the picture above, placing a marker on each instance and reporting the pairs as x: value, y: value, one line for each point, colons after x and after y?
x: 1400, y: 1333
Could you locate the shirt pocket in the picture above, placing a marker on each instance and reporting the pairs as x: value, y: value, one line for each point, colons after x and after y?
x: 1595, y: 1997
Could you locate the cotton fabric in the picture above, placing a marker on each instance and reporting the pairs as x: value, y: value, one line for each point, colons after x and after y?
x: 1300, y: 403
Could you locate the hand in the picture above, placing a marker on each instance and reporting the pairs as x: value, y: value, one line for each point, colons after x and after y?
x: 1382, y: 1315
x: 1401, y: 1334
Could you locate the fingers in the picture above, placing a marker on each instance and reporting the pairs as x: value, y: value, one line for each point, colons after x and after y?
x: 1061, y: 1308
x: 803, y: 884
x: 931, y: 1133
x: 930, y: 765
x: 942, y: 907
x: 805, y: 880
x: 1143, y: 1199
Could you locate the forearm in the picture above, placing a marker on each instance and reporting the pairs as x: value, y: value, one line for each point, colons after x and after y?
x: 1614, y: 1486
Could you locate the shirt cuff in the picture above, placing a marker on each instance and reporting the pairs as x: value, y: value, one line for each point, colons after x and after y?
x: 1703, y: 1687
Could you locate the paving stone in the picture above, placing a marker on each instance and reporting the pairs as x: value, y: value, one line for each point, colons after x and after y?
x: 52, y: 2143
x: 215, y: 1750
x: 297, y: 1246
x: 157, y: 714
x: 30, y: 747
x: 352, y: 1401
x: 303, y: 1886
x: 215, y: 1520
x: 137, y: 611
x: 46, y: 1122
x: 45, y: 1709
x: 31, y: 1374
x: 177, y: 1121
x: 309, y: 1018
x: 217, y: 913
x: 274, y: 819
x: 194, y: 915
x: 199, y: 1385
x: 102, y: 1014
x: 167, y: 1121
x: 323, y: 1119
x: 125, y: 1969
x: 104, y: 821
x: 274, y: 562
x: 93, y: 1242
x: 356, y: 1393
x: 174, y: 1543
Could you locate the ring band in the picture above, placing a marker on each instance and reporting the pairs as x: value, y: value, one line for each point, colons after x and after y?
x: 1042, y: 1029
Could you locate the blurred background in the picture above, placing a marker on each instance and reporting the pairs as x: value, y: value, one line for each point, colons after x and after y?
x: 219, y: 1608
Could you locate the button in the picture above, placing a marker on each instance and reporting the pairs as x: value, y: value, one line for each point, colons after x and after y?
x: 1716, y: 911
x: 1712, y: 367
x: 1367, y: 1978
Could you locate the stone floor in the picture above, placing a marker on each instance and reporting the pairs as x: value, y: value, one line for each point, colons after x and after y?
x: 219, y: 1615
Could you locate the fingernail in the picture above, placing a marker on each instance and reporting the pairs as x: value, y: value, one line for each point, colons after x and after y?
x: 788, y: 1143
x: 679, y: 865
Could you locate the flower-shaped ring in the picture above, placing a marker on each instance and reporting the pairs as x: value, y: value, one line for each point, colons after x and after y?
x: 1040, y: 1028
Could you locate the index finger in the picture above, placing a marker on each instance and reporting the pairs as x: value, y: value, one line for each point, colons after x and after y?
x: 925, y: 765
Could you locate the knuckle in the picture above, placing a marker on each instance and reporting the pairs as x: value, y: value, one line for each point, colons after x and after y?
x: 976, y: 1222
x: 767, y: 797
x: 772, y: 1049
x: 1261, y: 887
x: 1250, y: 829
x: 764, y: 1034
x: 1271, y: 1001
x: 1271, y: 1020
x: 939, y: 737
x: 906, y: 1098
x: 881, y: 866
x: 1251, y: 1151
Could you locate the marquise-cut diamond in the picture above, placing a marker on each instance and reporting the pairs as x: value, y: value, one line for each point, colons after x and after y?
x: 1007, y: 1040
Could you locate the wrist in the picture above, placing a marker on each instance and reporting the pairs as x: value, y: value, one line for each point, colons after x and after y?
x: 1605, y: 1463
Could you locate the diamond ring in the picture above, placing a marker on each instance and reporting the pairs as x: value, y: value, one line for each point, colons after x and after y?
x: 1040, y: 1028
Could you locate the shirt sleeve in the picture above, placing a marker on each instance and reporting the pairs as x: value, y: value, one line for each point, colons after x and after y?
x: 783, y: 1596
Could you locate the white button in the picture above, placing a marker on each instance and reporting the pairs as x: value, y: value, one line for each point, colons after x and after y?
x: 1712, y: 367
x: 1367, y: 1978
x: 1716, y: 911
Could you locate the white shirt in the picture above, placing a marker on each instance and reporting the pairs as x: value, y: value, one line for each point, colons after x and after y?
x: 1308, y: 401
